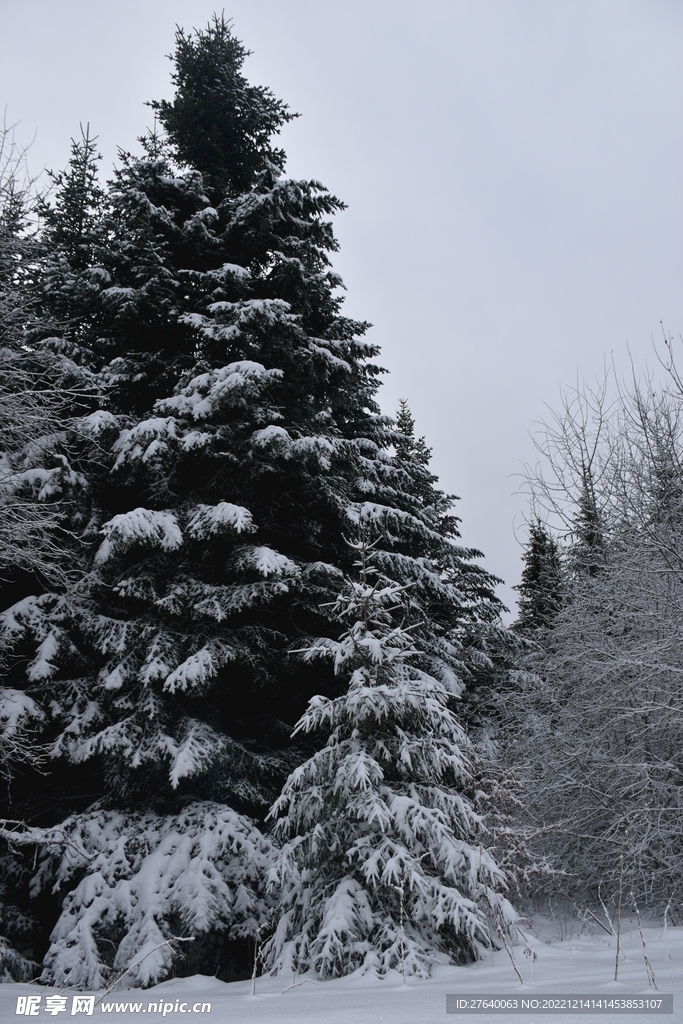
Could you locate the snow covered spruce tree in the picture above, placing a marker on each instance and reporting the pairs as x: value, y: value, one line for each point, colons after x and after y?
x: 382, y: 865
x: 235, y: 439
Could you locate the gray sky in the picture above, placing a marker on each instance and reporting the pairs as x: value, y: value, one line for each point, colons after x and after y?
x: 513, y: 169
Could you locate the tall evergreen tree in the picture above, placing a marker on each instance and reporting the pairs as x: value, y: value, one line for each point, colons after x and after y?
x: 34, y: 396
x: 31, y: 404
x: 413, y: 456
x: 236, y: 441
x: 14, y: 245
x: 542, y: 584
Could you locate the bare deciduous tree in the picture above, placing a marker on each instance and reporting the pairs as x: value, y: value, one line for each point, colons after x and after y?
x: 37, y: 392
x: 595, y: 727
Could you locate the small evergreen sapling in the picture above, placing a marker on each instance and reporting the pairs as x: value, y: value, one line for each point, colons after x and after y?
x: 381, y: 866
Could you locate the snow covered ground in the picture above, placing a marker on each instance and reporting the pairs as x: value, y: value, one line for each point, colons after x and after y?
x: 568, y: 963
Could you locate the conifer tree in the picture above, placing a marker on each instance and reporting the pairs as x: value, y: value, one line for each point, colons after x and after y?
x: 235, y: 440
x: 409, y: 448
x: 588, y: 551
x: 34, y: 386
x: 18, y: 244
x: 382, y: 864
x: 218, y: 122
x: 14, y: 244
x: 274, y: 423
x: 31, y: 403
x: 71, y: 221
x: 67, y: 285
x: 413, y: 455
x: 541, y: 587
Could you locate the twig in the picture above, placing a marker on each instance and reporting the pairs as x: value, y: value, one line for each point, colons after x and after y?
x: 257, y: 957
x: 295, y: 984
x: 598, y: 921
x: 621, y: 889
x: 502, y: 936
x: 648, y: 966
x: 666, y: 938
x: 121, y: 975
x: 602, y: 904
x: 66, y: 980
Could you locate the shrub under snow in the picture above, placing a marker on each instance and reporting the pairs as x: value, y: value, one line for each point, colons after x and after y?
x: 142, y: 879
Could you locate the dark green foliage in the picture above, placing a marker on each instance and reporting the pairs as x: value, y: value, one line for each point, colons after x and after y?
x: 71, y: 221
x: 66, y: 281
x: 542, y: 586
x: 232, y: 440
x: 217, y: 122
x: 408, y: 448
x: 587, y: 553
x: 17, y: 239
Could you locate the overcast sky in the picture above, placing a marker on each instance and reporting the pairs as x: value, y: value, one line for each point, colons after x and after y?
x: 514, y: 175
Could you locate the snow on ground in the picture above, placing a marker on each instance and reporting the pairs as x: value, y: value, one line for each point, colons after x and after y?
x: 573, y: 962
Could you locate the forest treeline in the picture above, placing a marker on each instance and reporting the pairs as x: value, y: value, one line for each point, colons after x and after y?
x: 259, y: 709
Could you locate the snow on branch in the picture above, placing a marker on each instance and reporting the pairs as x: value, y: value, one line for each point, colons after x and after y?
x: 217, y: 520
x: 141, y: 526
x: 382, y: 864
x: 133, y: 879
